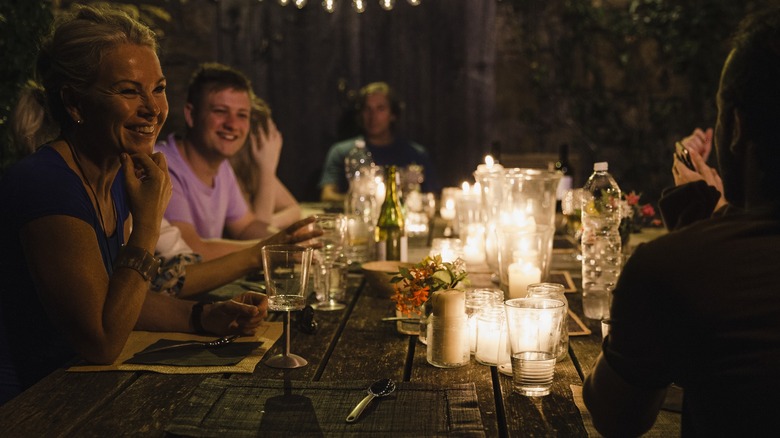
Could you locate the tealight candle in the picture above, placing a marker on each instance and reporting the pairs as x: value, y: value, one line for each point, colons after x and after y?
x: 489, y: 166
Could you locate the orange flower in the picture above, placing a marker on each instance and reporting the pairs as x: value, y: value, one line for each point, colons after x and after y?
x: 413, y: 286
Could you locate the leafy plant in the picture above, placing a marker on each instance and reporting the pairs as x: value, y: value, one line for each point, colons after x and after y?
x: 414, y: 285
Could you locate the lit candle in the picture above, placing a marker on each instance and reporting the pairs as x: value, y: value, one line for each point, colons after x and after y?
x: 492, y: 338
x: 532, y: 330
x: 521, y: 274
x: 380, y: 190
x: 448, y: 209
x: 490, y: 165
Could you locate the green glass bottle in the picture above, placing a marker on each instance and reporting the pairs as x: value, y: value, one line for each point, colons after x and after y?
x: 389, y: 233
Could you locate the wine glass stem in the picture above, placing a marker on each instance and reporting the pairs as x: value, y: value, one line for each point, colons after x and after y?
x: 327, y: 268
x: 287, y: 335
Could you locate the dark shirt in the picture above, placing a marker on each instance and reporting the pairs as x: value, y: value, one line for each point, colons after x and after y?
x: 40, y: 185
x: 700, y: 307
x: 400, y: 152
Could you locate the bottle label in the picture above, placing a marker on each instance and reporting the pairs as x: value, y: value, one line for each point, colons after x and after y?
x: 390, y: 249
x: 381, y: 250
x: 563, y: 186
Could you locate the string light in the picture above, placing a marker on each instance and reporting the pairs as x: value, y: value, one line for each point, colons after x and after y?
x: 358, y: 5
x: 329, y: 5
x: 387, y: 4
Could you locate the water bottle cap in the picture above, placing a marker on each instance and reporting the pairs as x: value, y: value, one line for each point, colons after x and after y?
x: 602, y: 166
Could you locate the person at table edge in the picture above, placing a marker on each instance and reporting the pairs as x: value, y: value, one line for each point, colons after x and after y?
x: 378, y: 108
x: 700, y: 306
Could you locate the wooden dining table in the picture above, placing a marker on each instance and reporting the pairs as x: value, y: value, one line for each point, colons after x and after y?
x: 353, y: 344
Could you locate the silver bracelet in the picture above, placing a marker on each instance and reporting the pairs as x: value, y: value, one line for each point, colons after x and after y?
x: 139, y: 260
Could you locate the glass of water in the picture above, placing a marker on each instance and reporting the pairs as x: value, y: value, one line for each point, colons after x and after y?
x: 286, y: 274
x: 534, y: 326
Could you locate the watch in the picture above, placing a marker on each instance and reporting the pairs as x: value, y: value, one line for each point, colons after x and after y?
x: 139, y: 260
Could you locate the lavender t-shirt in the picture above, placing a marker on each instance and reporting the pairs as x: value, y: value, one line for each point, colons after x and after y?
x: 206, y: 208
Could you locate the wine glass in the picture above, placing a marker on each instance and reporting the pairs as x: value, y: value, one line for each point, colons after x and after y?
x: 286, y: 272
x: 571, y: 207
x: 334, y: 233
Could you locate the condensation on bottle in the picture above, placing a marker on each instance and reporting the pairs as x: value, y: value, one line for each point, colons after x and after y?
x: 601, y: 247
x: 357, y: 159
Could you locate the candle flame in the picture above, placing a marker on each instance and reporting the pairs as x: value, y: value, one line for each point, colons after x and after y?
x: 466, y: 187
x: 489, y: 161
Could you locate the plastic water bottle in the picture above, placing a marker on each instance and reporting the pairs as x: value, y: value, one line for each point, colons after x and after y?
x: 601, y: 248
x: 357, y: 159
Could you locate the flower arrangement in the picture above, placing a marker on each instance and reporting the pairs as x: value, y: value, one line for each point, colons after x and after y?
x: 638, y: 215
x: 414, y: 285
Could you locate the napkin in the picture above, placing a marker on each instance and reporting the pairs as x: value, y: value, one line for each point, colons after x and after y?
x: 185, y: 363
x: 194, y: 356
x: 244, y: 407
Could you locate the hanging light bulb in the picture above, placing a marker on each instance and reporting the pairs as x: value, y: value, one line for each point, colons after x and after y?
x: 329, y: 5
x: 387, y: 4
x: 359, y: 6
x: 414, y: 2
x: 300, y: 3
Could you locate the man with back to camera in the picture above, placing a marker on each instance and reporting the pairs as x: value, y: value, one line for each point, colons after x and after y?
x: 207, y: 202
x: 379, y: 108
x: 711, y: 322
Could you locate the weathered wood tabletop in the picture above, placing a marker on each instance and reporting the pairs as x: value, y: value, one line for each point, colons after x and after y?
x: 351, y: 344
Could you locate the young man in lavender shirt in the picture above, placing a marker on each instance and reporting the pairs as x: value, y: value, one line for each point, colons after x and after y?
x: 207, y: 202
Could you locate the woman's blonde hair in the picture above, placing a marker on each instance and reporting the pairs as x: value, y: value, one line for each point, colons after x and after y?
x: 72, y: 54
x: 31, y: 125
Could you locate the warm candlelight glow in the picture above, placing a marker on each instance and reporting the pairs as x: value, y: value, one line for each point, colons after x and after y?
x: 489, y: 161
x: 521, y: 274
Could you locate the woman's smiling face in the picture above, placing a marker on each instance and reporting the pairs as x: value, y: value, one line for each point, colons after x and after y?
x: 126, y: 107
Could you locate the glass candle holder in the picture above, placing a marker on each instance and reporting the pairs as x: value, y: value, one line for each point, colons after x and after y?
x: 524, y: 254
x: 492, y: 346
x: 449, y: 249
x: 476, y: 301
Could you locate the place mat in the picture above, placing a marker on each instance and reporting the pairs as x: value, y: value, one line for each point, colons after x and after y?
x: 666, y: 424
x: 576, y: 326
x: 265, y: 337
x: 247, y: 408
x: 564, y: 278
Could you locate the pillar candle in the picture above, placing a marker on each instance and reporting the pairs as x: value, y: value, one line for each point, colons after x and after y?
x: 520, y: 276
x: 448, y: 343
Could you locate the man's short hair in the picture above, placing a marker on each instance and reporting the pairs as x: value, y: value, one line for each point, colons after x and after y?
x: 210, y: 77
x: 383, y: 88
